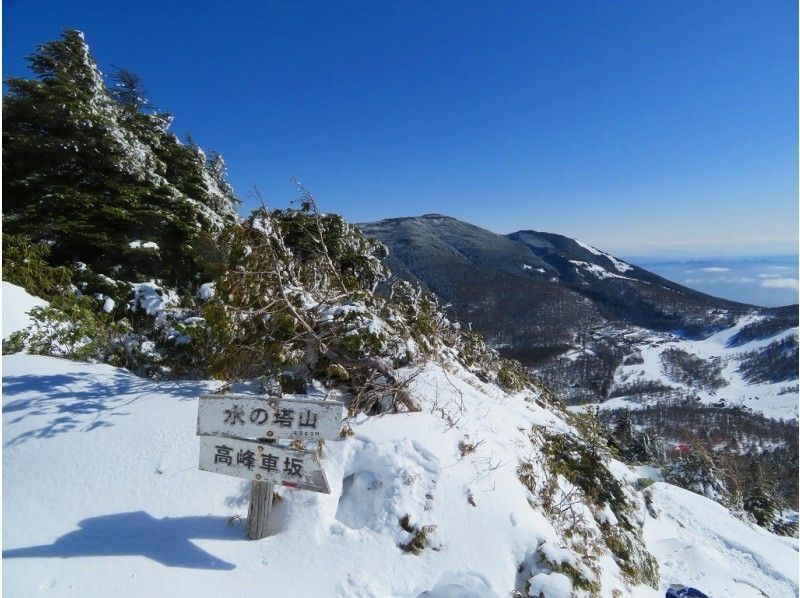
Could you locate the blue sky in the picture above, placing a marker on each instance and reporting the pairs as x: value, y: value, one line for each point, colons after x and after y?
x: 642, y: 127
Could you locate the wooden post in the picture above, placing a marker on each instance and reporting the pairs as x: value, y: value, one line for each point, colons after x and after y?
x: 260, y: 506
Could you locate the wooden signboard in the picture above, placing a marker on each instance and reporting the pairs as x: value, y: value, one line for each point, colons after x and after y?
x: 237, y: 435
x: 243, y: 416
x: 263, y: 462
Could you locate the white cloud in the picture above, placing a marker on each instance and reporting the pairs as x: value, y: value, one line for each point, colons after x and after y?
x: 769, y: 275
x: 715, y: 269
x: 720, y: 279
x: 781, y: 283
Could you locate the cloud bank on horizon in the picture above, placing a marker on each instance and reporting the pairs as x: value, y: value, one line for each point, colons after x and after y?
x: 766, y: 281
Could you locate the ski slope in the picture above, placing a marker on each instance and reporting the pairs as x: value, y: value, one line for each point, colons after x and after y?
x: 769, y: 399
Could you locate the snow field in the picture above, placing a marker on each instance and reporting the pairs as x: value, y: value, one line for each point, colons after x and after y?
x: 698, y: 543
x: 761, y: 398
x: 16, y: 305
x: 100, y: 471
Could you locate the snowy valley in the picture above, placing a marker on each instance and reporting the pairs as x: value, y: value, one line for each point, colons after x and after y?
x: 716, y: 370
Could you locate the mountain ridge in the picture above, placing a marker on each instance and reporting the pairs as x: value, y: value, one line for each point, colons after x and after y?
x: 519, y: 236
x: 426, y: 248
x: 540, y: 296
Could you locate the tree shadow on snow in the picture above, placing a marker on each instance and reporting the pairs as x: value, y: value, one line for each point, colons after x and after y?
x: 166, y: 541
x: 80, y: 400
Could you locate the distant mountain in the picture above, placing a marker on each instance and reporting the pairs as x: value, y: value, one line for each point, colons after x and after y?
x: 539, y: 296
x: 531, y: 289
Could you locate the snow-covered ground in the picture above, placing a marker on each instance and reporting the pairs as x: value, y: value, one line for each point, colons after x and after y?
x: 102, y: 497
x: 766, y: 398
x: 16, y: 305
x: 698, y: 543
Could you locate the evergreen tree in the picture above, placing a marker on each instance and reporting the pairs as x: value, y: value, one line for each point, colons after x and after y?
x: 88, y: 172
x: 129, y: 90
x: 759, y: 496
x: 696, y: 471
x: 631, y: 444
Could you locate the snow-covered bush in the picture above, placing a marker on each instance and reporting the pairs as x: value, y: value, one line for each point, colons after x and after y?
x: 306, y: 296
x: 72, y: 329
x: 593, y: 509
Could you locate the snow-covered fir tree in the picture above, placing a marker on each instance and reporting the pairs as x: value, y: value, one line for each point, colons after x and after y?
x: 101, y: 180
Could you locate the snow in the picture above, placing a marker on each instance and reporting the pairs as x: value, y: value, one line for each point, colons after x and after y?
x: 364, y: 319
x: 555, y: 585
x: 621, y: 266
x: 153, y: 299
x: 263, y: 225
x: 763, y: 398
x: 126, y: 512
x: 597, y: 270
x: 143, y: 245
x: 529, y: 267
x: 698, y: 543
x: 108, y: 304
x: 648, y: 471
x: 206, y: 291
x: 588, y: 247
x: 107, y: 280
x: 17, y: 302
x: 607, y: 516
x: 134, y: 516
